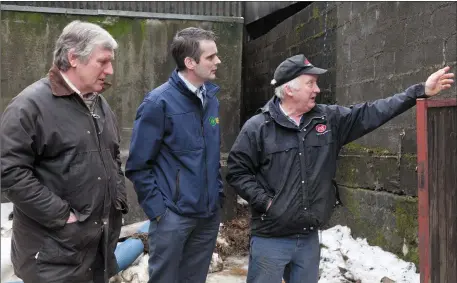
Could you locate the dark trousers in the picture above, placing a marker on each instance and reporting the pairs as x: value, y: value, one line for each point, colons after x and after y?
x: 180, y: 248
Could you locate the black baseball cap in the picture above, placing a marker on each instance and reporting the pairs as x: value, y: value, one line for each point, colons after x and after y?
x: 293, y: 67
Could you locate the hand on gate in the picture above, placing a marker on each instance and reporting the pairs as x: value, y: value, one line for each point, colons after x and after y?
x: 438, y: 81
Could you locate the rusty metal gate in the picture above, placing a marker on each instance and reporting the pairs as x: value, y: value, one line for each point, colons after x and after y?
x: 437, y: 182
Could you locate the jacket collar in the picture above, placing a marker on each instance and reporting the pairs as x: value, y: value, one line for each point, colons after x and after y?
x: 58, y: 85
x: 211, y: 89
x: 272, y: 109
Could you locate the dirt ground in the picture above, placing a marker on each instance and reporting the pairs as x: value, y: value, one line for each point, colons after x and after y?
x: 236, y: 233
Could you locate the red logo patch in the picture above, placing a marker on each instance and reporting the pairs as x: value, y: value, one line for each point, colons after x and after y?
x: 321, y: 128
x: 307, y: 62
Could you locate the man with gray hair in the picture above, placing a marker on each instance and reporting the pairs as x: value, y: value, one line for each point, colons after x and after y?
x: 61, y: 167
x: 284, y: 160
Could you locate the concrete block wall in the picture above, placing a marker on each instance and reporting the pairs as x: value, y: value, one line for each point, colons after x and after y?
x: 311, y: 32
x: 372, y: 50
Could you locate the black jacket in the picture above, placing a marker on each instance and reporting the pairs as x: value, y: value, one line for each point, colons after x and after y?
x: 57, y: 158
x: 272, y: 158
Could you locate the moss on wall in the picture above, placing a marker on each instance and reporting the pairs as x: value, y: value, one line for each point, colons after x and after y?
x: 399, y: 236
x: 360, y: 149
x: 407, y: 226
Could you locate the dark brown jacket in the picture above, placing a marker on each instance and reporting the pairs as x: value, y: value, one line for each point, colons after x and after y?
x: 55, y: 158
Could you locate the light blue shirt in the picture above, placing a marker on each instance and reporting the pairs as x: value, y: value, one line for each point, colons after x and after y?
x: 199, y: 92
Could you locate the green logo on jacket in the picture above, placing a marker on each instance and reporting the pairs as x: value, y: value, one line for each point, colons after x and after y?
x: 214, y: 121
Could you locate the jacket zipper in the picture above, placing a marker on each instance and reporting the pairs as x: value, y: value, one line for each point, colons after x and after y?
x: 106, y: 240
x: 94, y: 118
x: 202, y: 113
x: 176, y: 198
x: 304, y: 161
x: 204, y: 156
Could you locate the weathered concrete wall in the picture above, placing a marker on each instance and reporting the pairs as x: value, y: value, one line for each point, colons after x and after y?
x: 311, y: 31
x: 142, y: 62
x: 372, y: 50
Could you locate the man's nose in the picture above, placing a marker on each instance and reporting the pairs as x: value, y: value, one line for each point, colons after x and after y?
x: 218, y: 61
x: 109, y: 69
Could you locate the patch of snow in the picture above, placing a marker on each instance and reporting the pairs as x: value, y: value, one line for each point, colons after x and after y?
x: 7, y: 272
x: 224, y: 278
x: 222, y: 242
x: 241, y: 201
x: 6, y: 209
x: 216, y: 264
x: 363, y: 262
x: 137, y: 273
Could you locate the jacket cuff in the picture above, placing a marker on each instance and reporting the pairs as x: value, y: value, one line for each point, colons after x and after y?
x: 263, y: 204
x: 154, y: 207
x: 419, y: 90
x: 58, y: 224
x: 121, y: 204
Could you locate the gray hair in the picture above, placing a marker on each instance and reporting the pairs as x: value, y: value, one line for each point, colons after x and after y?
x: 279, y: 91
x: 83, y: 38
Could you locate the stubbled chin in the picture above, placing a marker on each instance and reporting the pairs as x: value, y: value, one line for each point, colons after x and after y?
x: 97, y: 88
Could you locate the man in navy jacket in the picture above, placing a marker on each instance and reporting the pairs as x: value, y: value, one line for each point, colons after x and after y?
x: 174, y: 162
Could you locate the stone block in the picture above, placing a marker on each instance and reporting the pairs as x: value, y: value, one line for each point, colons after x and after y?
x: 388, y: 12
x: 383, y: 64
x: 450, y: 50
x: 412, y: 9
x: 344, y: 13
x: 380, y: 173
x: 442, y: 20
x: 358, y: 8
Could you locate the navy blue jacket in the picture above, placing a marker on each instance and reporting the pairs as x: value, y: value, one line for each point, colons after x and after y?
x: 174, y: 156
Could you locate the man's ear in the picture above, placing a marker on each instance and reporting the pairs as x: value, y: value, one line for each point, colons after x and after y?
x: 288, y: 90
x: 190, y: 63
x: 72, y: 58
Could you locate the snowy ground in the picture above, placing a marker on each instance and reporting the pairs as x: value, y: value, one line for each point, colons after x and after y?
x: 343, y: 259
x: 7, y: 273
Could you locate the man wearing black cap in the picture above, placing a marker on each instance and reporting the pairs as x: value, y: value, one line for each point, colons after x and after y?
x: 284, y: 160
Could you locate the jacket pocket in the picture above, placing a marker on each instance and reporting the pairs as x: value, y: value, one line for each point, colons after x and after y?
x: 87, y: 183
x: 274, y: 212
x: 320, y: 150
x: 65, y: 251
x: 178, y: 191
x: 186, y: 132
x: 301, y: 219
x: 67, y: 245
x: 60, y: 249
